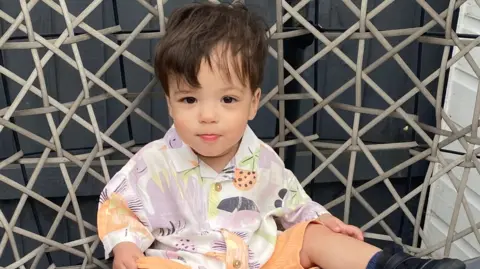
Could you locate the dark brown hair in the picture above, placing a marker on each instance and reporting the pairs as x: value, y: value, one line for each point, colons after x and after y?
x: 195, y: 30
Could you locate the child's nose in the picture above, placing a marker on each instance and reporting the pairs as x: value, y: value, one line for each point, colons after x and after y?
x: 208, y: 114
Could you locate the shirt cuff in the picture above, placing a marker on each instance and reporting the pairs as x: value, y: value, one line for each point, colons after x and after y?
x: 124, y: 235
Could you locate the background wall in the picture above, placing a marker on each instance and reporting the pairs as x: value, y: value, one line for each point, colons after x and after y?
x: 460, y: 100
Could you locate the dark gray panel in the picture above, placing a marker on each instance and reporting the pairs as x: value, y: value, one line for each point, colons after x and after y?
x: 38, y: 223
x: 265, y: 121
x: 364, y: 169
x: 379, y: 198
x: 89, y: 213
x: 7, y: 145
x: 69, y: 83
x: 52, y: 176
x: 47, y: 216
x: 7, y: 257
x: 333, y: 73
x: 430, y: 61
x: 12, y: 9
x: 29, y: 222
x: 15, y: 174
x: 21, y: 63
x: 136, y: 77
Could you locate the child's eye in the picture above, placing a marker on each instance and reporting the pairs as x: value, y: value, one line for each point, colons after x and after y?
x: 228, y: 99
x: 188, y: 100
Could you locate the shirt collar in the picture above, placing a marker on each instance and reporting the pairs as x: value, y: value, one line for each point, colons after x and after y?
x: 183, y: 157
x: 247, y: 155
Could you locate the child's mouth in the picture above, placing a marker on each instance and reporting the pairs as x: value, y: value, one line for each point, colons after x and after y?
x: 209, y: 137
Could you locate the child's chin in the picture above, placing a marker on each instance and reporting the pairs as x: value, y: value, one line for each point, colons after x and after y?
x: 208, y: 152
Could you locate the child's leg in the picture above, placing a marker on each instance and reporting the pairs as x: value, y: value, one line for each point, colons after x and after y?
x: 329, y: 250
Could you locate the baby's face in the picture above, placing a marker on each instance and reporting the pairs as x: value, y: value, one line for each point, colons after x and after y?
x: 212, y: 119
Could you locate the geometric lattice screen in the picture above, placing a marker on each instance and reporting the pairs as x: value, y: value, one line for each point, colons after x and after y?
x: 36, y: 122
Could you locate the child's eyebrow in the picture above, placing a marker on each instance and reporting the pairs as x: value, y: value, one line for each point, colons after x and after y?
x: 223, y: 89
x: 183, y: 91
x: 230, y: 88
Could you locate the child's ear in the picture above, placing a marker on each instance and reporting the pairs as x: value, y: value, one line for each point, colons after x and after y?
x: 255, y: 102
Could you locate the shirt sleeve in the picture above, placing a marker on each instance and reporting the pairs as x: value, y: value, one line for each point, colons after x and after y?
x: 297, y: 206
x: 120, y: 216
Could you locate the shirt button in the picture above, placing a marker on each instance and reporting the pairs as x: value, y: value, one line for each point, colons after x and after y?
x: 218, y: 187
x: 237, y: 263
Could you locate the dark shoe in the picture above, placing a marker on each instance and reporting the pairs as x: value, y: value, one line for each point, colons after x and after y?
x: 395, y: 258
x: 405, y: 261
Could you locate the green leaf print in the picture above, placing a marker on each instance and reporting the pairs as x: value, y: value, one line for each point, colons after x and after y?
x: 213, y: 201
x: 251, y: 162
x: 295, y: 197
x: 192, y: 171
x: 294, y: 200
x: 158, y: 180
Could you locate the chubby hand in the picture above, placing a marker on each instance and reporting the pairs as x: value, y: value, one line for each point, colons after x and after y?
x: 339, y: 226
x: 126, y: 255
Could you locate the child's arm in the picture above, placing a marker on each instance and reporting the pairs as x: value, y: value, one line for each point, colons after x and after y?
x: 297, y: 206
x: 120, y: 216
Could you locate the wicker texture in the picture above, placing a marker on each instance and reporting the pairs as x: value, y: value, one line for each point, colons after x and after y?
x: 55, y: 154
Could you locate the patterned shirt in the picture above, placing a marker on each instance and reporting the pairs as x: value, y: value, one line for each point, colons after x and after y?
x: 172, y: 205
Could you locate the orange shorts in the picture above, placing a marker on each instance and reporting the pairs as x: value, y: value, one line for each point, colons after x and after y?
x: 287, y: 250
x: 286, y: 254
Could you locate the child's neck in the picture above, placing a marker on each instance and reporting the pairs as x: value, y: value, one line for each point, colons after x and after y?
x: 219, y: 162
